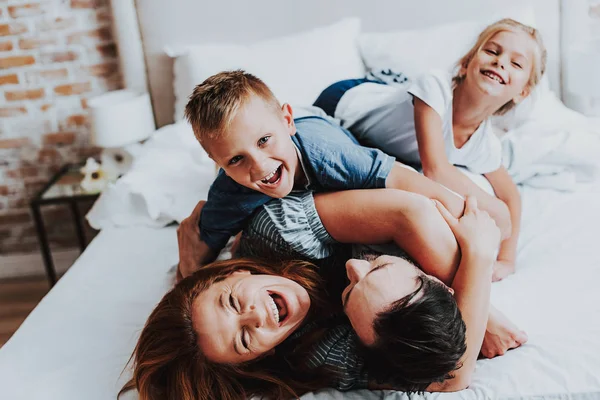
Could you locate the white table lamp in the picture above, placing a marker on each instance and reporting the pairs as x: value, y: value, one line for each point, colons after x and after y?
x: 583, y: 79
x: 120, y: 119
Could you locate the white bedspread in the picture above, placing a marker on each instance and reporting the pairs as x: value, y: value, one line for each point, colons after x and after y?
x: 75, y: 343
x: 554, y: 147
x: 168, y: 177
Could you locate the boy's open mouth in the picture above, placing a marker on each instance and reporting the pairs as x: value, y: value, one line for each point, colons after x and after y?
x: 274, y: 177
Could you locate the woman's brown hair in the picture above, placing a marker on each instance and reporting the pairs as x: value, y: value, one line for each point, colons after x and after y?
x: 168, y: 363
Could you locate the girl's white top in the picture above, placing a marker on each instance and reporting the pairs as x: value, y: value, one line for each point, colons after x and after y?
x: 382, y: 116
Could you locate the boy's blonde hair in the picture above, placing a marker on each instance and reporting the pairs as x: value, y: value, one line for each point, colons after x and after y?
x: 538, y: 64
x: 214, y: 103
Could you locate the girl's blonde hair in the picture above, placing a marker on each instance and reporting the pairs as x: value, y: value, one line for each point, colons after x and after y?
x: 538, y: 67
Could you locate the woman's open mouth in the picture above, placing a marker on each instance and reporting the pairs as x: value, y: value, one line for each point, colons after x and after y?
x: 279, y: 308
x: 273, y: 178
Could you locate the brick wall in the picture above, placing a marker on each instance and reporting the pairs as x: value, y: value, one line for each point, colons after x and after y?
x: 54, y: 55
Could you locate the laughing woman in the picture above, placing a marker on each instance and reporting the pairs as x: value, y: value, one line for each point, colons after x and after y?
x: 239, y: 328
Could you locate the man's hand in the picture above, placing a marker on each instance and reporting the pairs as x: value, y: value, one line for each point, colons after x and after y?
x: 193, y: 252
x: 502, y: 268
x: 453, y: 203
x: 475, y: 230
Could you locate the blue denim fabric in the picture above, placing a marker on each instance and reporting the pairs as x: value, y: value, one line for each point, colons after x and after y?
x: 331, y: 96
x: 333, y: 160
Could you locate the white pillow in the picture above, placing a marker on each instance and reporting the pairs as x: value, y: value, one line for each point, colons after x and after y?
x: 531, y: 107
x: 296, y: 67
x: 169, y: 175
x: 414, y: 52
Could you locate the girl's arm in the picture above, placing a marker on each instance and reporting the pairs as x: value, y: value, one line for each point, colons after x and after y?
x: 428, y: 126
x: 507, y: 191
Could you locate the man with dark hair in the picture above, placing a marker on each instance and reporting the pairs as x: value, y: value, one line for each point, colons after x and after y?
x: 412, y: 333
x: 425, y: 337
x: 411, y: 341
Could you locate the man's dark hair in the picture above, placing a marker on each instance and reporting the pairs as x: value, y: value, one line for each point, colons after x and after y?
x: 418, y: 342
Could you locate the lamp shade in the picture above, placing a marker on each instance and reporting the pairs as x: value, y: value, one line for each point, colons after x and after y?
x: 583, y: 67
x: 120, y: 118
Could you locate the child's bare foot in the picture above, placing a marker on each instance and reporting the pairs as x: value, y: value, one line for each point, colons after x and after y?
x: 502, y: 269
x: 501, y: 335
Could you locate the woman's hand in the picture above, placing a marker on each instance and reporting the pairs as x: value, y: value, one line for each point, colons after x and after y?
x: 475, y: 231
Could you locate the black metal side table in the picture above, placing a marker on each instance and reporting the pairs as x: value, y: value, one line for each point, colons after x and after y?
x: 63, y: 188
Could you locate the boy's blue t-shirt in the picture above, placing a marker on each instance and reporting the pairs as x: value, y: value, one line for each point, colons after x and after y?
x: 332, y: 160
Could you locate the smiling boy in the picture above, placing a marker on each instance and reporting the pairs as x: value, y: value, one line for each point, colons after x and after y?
x: 265, y: 153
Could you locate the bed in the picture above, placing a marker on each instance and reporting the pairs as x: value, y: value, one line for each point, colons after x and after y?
x: 75, y: 344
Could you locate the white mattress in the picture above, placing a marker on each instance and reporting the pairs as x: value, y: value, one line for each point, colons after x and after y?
x: 76, y: 342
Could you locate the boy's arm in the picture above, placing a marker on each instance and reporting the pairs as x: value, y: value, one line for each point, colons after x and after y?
x: 507, y: 191
x: 403, y: 178
x: 193, y: 252
x: 428, y: 126
x: 410, y: 220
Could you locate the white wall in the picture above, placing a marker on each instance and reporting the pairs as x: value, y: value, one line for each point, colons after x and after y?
x: 580, y: 22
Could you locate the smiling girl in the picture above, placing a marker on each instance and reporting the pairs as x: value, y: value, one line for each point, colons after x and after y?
x: 440, y: 121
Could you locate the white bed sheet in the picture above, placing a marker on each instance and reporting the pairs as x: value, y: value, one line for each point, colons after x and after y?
x: 76, y: 342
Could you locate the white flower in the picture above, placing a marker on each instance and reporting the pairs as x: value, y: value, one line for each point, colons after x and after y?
x: 95, y: 178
